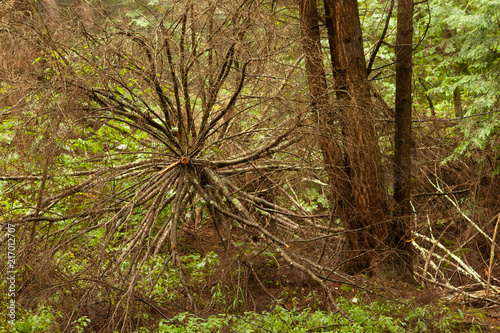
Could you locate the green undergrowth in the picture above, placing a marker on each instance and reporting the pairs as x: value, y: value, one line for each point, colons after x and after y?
x: 364, y: 312
x: 377, y: 316
x: 365, y: 316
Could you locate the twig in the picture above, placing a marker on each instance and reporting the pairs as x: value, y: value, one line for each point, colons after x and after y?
x: 492, y: 256
x: 256, y: 276
x: 277, y: 144
x: 461, y: 265
x: 169, y: 167
x: 379, y: 43
x: 435, y: 241
x: 315, y: 278
x: 459, y: 291
x: 124, y: 291
x: 439, y: 193
x: 461, y: 212
x: 248, y: 219
x: 183, y: 280
x: 430, y: 262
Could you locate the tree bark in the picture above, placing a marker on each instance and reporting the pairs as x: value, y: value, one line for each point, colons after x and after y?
x: 359, y: 181
x: 457, y: 103
x: 51, y: 9
x: 401, y: 230
x: 318, y: 89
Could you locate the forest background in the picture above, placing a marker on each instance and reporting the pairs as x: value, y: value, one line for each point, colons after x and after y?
x: 250, y: 166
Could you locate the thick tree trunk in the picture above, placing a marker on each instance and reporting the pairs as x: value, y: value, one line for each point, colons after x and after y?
x: 359, y: 180
x: 318, y: 89
x: 313, y: 57
x: 339, y: 73
x: 401, y: 231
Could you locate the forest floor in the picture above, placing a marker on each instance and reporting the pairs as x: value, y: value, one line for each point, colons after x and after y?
x: 269, y: 287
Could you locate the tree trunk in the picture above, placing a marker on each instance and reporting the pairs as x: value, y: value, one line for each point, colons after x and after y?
x: 318, y: 89
x: 457, y: 103
x: 359, y: 181
x: 401, y: 230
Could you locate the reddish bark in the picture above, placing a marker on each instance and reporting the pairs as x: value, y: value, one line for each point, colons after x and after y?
x: 401, y: 231
x: 353, y: 163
